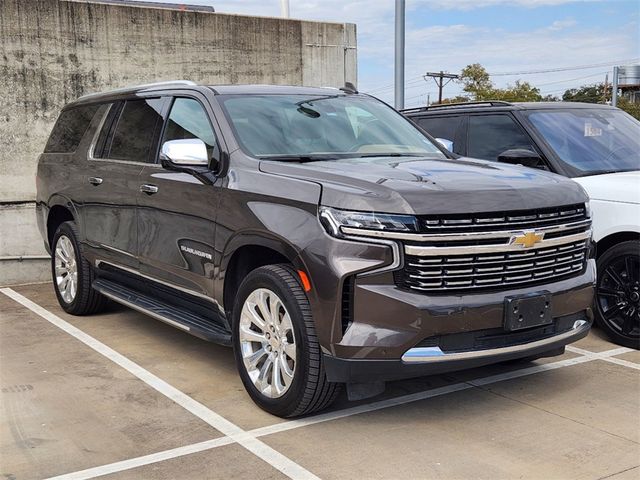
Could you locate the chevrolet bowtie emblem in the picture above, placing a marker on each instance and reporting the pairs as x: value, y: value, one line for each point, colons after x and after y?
x: 529, y: 239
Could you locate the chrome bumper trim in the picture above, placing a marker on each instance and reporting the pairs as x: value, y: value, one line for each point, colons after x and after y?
x: 436, y: 355
x: 420, y: 251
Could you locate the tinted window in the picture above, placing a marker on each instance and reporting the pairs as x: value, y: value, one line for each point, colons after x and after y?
x: 188, y: 119
x: 441, y: 127
x: 490, y: 135
x: 444, y: 127
x: 71, y: 126
x: 100, y: 148
x: 133, y: 136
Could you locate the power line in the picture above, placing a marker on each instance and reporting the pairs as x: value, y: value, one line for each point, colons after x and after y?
x: 415, y: 80
x: 387, y: 87
x: 571, y: 79
x: 566, y: 69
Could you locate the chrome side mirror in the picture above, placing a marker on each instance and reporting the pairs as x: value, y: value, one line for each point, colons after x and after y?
x: 190, y: 152
x: 448, y: 144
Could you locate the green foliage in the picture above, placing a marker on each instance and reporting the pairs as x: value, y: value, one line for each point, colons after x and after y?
x: 477, y: 84
x: 632, y: 109
x: 587, y: 93
x: 597, y: 93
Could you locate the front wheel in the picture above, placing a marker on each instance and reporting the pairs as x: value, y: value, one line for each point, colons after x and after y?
x: 618, y: 293
x: 277, y: 352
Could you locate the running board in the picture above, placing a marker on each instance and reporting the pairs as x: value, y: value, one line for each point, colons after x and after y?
x: 192, y: 323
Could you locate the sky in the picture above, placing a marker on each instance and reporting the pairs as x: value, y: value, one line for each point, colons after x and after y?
x: 505, y: 36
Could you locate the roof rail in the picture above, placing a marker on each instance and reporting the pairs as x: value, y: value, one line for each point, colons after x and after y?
x: 139, y: 87
x: 490, y: 103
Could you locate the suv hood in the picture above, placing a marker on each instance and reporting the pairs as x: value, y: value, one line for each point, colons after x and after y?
x: 613, y: 187
x: 417, y: 185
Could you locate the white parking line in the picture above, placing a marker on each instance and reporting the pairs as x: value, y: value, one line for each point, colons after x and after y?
x: 607, y: 356
x: 249, y: 437
x: 414, y: 397
x: 329, y: 416
x: 250, y: 442
x: 145, y: 460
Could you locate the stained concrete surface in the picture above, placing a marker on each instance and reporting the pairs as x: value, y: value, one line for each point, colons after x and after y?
x: 66, y: 408
x: 53, y: 51
x: 579, y: 421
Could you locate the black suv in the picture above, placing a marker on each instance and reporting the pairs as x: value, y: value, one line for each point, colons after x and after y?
x: 314, y: 229
x: 596, y: 145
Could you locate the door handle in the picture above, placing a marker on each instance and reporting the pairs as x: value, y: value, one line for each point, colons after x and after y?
x: 95, y: 180
x: 148, y: 189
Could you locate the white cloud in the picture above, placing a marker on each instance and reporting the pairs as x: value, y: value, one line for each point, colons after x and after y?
x: 562, y: 24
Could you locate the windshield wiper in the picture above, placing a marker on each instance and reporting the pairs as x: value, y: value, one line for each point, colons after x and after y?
x: 393, y: 154
x: 297, y: 158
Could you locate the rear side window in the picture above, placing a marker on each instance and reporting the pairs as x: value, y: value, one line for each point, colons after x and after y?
x: 441, y: 127
x: 491, y: 135
x: 444, y: 127
x: 69, y: 129
x: 135, y: 132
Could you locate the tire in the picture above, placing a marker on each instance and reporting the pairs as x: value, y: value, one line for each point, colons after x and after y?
x: 258, y: 357
x: 618, y: 293
x: 81, y: 299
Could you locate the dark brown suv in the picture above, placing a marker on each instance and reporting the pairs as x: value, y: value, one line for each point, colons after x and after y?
x: 314, y: 229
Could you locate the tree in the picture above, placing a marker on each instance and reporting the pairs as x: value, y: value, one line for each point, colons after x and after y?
x: 475, y: 80
x: 598, y: 93
x: 476, y: 83
x: 587, y: 93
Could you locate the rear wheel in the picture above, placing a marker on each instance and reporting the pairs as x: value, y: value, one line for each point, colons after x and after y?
x: 72, y: 274
x: 277, y: 353
x: 618, y: 293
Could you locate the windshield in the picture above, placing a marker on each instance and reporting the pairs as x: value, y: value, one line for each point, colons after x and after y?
x: 314, y: 127
x: 591, y: 141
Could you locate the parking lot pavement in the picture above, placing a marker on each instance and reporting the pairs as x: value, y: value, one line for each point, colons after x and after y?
x: 172, y: 406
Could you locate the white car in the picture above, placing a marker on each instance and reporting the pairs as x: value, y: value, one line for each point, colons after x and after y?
x: 615, y: 206
x: 596, y: 145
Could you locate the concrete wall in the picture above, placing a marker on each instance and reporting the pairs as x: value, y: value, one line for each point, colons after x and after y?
x: 51, y: 52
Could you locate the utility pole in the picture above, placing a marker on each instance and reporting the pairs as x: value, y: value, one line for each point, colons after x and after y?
x: 439, y: 78
x: 284, y: 8
x: 614, y: 87
x: 399, y: 56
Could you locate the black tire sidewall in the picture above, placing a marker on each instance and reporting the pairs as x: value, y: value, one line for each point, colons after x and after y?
x: 68, y: 229
x: 269, y: 279
x: 631, y: 247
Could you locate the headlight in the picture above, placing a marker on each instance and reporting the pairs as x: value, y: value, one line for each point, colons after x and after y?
x: 334, y: 219
x: 587, y: 209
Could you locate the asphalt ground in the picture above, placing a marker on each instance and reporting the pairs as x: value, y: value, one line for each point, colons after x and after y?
x: 120, y: 395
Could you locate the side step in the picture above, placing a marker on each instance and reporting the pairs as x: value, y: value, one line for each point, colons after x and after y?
x: 192, y: 323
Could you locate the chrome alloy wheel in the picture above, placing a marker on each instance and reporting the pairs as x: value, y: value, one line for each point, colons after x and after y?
x: 267, y: 343
x: 66, y: 269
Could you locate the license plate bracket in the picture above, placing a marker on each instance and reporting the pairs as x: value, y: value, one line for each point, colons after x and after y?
x: 526, y: 311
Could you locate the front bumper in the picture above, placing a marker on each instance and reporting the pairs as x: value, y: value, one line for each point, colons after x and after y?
x: 422, y: 361
x: 395, y: 334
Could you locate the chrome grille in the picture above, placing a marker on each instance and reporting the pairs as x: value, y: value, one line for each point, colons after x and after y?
x: 492, y: 270
x: 493, y: 251
x: 502, y: 220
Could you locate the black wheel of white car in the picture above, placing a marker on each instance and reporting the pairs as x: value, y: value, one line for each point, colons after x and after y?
x: 277, y: 352
x: 618, y: 293
x: 72, y: 274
